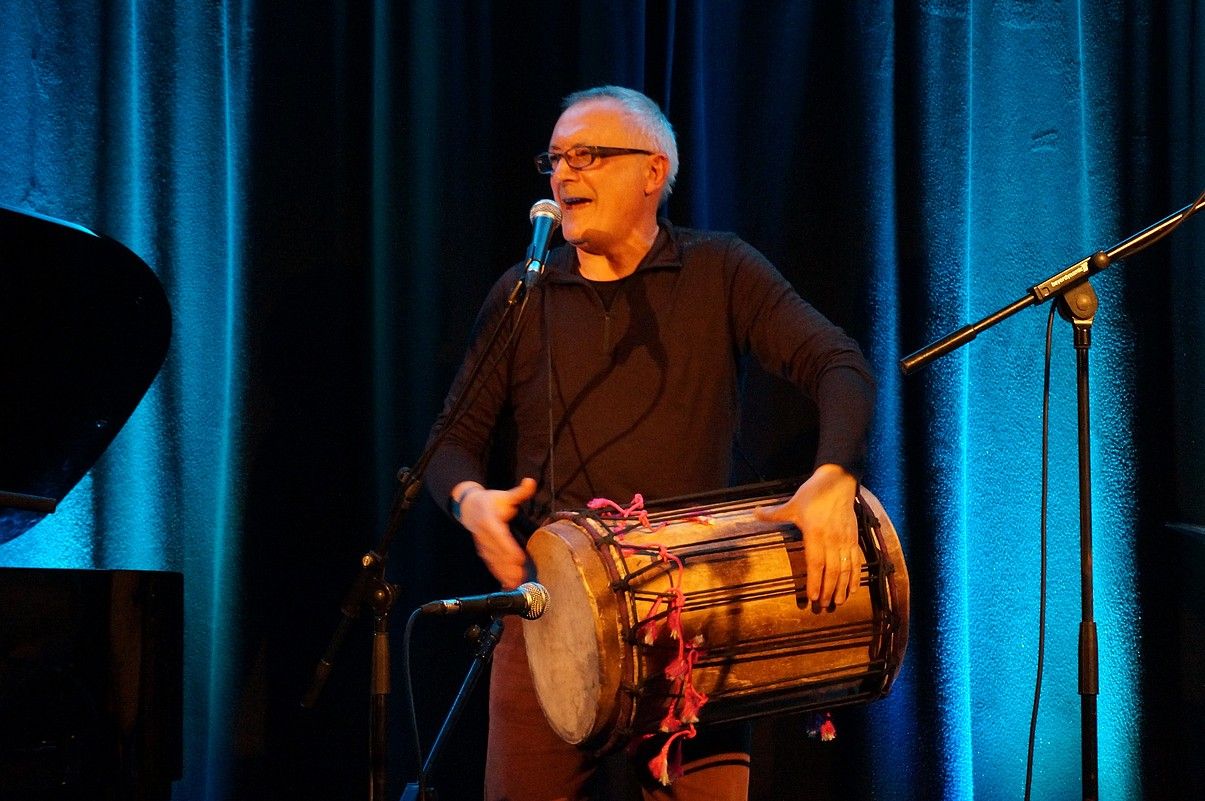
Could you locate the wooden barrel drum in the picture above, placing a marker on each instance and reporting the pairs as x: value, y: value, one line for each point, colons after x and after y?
x: 599, y: 654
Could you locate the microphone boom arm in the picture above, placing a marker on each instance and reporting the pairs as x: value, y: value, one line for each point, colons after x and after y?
x: 1057, y: 284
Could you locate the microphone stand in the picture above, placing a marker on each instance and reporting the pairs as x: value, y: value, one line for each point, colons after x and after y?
x: 1077, y: 303
x: 486, y: 642
x: 369, y: 590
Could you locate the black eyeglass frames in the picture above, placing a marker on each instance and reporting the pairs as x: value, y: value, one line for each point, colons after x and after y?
x: 582, y: 156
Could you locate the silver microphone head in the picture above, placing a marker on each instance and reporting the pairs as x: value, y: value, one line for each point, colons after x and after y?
x: 546, y: 208
x: 537, y: 598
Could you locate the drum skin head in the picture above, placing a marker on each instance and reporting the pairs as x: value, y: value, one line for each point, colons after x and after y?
x: 576, y: 687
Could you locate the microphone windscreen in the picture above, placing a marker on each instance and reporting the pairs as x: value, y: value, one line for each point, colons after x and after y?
x: 546, y: 208
x: 537, y: 599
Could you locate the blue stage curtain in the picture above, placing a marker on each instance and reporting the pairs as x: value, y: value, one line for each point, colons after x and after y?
x: 327, y: 191
x: 130, y: 118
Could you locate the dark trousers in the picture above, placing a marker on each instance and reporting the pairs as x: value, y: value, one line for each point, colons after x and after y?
x: 527, y: 761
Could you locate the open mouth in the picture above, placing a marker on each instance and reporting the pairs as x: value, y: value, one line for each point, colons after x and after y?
x: 574, y: 202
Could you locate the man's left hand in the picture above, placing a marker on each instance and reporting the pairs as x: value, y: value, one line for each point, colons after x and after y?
x: 823, y: 509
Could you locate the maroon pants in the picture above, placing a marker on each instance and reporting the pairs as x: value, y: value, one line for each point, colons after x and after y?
x: 527, y: 761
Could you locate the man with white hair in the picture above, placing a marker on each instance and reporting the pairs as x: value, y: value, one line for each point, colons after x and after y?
x: 622, y: 379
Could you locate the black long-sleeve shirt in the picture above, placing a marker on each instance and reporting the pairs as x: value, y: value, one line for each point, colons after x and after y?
x: 641, y: 394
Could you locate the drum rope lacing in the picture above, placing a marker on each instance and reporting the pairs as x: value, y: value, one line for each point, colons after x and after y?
x: 664, y: 616
x: 682, y: 712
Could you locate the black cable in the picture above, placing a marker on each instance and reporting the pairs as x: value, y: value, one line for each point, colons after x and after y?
x: 409, y: 683
x: 1037, y: 690
x: 552, y: 507
x: 463, y: 402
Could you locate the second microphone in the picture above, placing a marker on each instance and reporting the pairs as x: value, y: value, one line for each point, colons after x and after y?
x: 527, y: 600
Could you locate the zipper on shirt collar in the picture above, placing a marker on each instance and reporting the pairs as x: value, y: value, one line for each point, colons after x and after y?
x: 562, y: 263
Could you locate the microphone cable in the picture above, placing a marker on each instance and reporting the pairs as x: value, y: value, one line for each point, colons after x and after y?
x: 408, y: 682
x: 1037, y: 690
x: 462, y: 404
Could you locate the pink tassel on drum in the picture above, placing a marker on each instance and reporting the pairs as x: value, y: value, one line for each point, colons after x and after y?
x: 822, y: 727
x: 685, y: 699
x: 667, y: 764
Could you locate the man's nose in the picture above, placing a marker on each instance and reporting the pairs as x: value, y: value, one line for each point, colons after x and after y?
x: 562, y: 168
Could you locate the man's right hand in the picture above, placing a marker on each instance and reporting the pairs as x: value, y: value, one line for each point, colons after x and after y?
x: 485, y: 513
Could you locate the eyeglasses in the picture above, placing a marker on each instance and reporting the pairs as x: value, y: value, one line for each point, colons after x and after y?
x: 582, y: 156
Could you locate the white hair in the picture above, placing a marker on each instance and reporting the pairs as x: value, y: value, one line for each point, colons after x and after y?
x: 649, y: 119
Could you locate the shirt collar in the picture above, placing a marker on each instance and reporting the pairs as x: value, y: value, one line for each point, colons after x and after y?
x: 664, y: 254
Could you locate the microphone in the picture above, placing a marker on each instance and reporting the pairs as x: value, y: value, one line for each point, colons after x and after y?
x: 545, y: 216
x: 527, y: 600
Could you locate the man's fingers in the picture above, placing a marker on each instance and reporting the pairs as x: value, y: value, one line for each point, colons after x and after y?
x: 523, y: 491
x: 855, y: 576
x: 844, y: 570
x: 769, y: 512
x: 815, y: 568
x: 509, y: 574
x: 833, y: 575
x: 502, y: 555
x: 847, y: 576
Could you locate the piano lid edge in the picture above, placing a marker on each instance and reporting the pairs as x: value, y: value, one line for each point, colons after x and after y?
x: 47, y: 218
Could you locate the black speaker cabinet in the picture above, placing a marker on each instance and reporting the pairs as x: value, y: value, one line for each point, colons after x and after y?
x: 91, y: 686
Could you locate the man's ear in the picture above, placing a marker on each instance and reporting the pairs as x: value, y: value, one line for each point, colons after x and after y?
x: 657, y: 175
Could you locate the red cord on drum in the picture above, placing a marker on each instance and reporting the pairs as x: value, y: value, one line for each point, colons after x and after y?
x: 681, y: 714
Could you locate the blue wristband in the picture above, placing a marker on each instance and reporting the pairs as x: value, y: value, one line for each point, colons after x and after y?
x: 454, y: 506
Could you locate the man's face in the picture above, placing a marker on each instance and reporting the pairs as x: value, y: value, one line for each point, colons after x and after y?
x: 604, y: 203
